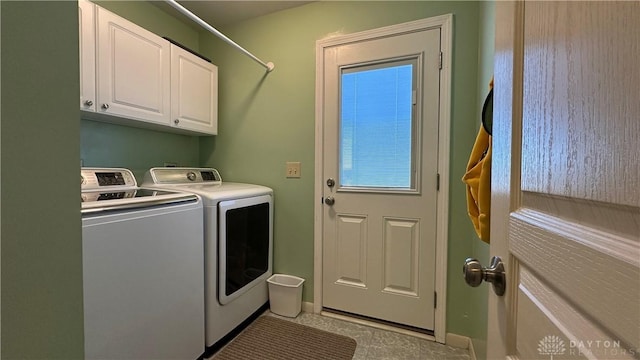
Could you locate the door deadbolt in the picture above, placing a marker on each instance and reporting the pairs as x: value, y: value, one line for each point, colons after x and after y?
x: 475, y: 273
x: 331, y: 182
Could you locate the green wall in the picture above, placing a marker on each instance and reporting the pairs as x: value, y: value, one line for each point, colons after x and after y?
x: 266, y: 121
x: 110, y: 145
x: 104, y: 144
x: 41, y: 230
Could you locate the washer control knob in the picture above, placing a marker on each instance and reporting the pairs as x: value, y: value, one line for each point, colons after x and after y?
x: 191, y: 176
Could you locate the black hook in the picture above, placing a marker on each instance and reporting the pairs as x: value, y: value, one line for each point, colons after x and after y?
x: 487, y: 113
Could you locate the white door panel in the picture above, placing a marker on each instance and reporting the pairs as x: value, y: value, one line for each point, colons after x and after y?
x: 566, y: 173
x: 401, y: 249
x: 351, y: 250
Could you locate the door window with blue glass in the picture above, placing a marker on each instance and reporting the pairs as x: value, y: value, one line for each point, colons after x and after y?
x: 377, y: 126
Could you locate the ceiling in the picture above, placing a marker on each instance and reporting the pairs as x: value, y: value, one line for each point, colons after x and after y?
x: 218, y: 13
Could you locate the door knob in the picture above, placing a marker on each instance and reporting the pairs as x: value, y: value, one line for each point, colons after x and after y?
x: 329, y: 200
x: 475, y: 273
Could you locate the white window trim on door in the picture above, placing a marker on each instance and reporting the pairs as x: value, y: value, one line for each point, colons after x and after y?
x: 445, y: 24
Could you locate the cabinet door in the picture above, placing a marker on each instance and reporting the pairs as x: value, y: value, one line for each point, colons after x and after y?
x: 194, y: 92
x: 86, y: 19
x: 133, y: 70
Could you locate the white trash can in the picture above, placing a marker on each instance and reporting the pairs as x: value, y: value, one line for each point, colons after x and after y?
x: 285, y: 294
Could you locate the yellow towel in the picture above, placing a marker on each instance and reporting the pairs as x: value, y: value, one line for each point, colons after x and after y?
x: 478, y: 180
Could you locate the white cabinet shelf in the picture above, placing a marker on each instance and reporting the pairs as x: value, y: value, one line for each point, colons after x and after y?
x: 133, y: 77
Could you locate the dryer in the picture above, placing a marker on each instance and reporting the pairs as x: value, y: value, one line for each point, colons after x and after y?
x: 238, y: 222
x: 143, y: 269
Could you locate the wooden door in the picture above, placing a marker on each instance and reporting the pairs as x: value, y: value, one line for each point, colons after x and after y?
x: 566, y: 180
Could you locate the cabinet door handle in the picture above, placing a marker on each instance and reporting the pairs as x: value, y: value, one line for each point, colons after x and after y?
x: 176, y: 121
x: 88, y: 102
x: 105, y: 106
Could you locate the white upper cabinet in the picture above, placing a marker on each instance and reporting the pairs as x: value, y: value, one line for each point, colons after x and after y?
x: 133, y: 77
x: 133, y: 70
x: 194, y: 92
x: 86, y: 14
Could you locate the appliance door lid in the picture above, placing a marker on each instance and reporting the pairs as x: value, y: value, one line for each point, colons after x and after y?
x: 245, y: 257
x: 98, y: 202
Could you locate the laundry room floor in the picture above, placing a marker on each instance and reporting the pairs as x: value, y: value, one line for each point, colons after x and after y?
x: 377, y: 344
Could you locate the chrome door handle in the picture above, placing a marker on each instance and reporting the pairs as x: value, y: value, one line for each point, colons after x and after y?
x: 329, y: 200
x: 475, y: 273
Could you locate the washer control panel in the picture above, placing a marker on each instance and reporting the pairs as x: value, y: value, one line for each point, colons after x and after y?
x: 181, y: 176
x: 106, y: 178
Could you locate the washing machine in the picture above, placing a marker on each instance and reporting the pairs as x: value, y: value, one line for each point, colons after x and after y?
x: 143, y: 269
x: 238, y: 221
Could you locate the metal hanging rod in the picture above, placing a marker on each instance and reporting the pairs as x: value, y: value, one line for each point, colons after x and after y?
x: 269, y: 66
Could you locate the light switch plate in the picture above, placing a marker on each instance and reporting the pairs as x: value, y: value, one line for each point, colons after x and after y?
x: 293, y: 169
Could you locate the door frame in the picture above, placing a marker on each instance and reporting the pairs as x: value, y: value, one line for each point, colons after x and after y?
x: 505, y: 172
x: 445, y: 24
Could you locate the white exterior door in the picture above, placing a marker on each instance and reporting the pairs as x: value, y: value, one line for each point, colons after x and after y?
x: 133, y: 70
x: 566, y: 180
x: 381, y: 162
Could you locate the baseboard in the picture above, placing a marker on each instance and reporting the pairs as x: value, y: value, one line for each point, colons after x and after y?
x: 307, y: 307
x: 472, y: 351
x: 463, y: 342
x: 458, y: 341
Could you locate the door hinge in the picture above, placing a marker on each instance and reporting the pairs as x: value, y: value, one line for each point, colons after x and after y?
x: 435, y: 300
x: 440, y: 61
x: 437, y: 182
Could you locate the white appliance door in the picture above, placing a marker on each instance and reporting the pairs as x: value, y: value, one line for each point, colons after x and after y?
x: 143, y: 275
x: 246, y: 245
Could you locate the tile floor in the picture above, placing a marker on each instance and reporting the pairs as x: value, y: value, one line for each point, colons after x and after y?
x: 376, y: 344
